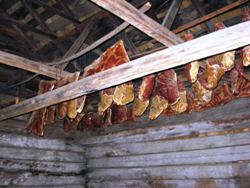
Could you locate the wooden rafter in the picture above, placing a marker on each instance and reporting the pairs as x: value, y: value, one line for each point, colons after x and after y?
x: 171, y: 13
x: 211, y: 44
x: 103, y: 39
x: 29, y: 65
x: 210, y: 16
x: 130, y: 14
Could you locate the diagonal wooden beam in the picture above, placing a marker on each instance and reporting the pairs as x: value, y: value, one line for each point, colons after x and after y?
x: 130, y: 14
x: 103, y: 39
x: 201, y: 11
x: 210, y: 16
x: 171, y: 13
x: 29, y: 65
x: 208, y: 45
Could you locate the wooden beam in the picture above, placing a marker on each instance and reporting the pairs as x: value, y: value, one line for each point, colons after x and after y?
x: 211, y: 44
x: 130, y: 14
x: 29, y: 65
x: 171, y: 13
x: 201, y: 11
x: 210, y: 16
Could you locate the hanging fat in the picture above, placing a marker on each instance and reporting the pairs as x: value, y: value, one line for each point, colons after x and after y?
x: 191, y: 69
x: 201, y: 94
x: 36, y: 123
x: 145, y: 90
x: 124, y: 94
x: 68, y: 107
x: 106, y: 98
x: 246, y: 56
x: 181, y: 105
x: 139, y: 106
x: 226, y: 60
x: 72, y: 105
x: 211, y: 75
x: 157, y: 105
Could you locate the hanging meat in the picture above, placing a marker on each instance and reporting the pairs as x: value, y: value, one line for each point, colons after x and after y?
x: 69, y: 107
x: 246, y: 56
x: 181, y: 105
x: 37, y: 120
x: 191, y: 69
x: 211, y: 75
x: 141, y: 102
x: 119, y: 113
x: 166, y: 93
x: 221, y: 95
x: 226, y: 60
x: 201, y: 94
x: 122, y: 94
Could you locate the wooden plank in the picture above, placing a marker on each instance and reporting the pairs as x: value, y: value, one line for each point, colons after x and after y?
x: 44, y: 166
x: 196, y: 157
x: 211, y: 44
x: 171, y: 14
x: 167, y: 146
x: 32, y: 179
x: 130, y: 14
x: 14, y: 140
x: 210, y: 16
x: 42, y: 155
x: 149, y: 183
x: 29, y: 65
x: 223, y: 170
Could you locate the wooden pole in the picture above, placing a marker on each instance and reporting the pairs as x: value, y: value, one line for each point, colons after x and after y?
x: 208, y: 45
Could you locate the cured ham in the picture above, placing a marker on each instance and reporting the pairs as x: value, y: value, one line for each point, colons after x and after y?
x: 66, y: 124
x: 201, y: 94
x: 191, y: 69
x: 145, y: 90
x: 112, y: 57
x: 181, y: 105
x: 119, y: 113
x: 37, y: 120
x: 51, y: 114
x: 221, y: 95
x: 245, y: 14
x: 166, y: 93
x: 167, y: 86
x: 211, y: 75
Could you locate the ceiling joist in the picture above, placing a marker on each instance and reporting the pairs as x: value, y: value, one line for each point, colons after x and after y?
x: 208, y: 45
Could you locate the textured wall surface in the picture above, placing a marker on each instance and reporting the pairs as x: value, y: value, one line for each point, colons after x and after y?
x: 209, y: 149
x: 27, y: 161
